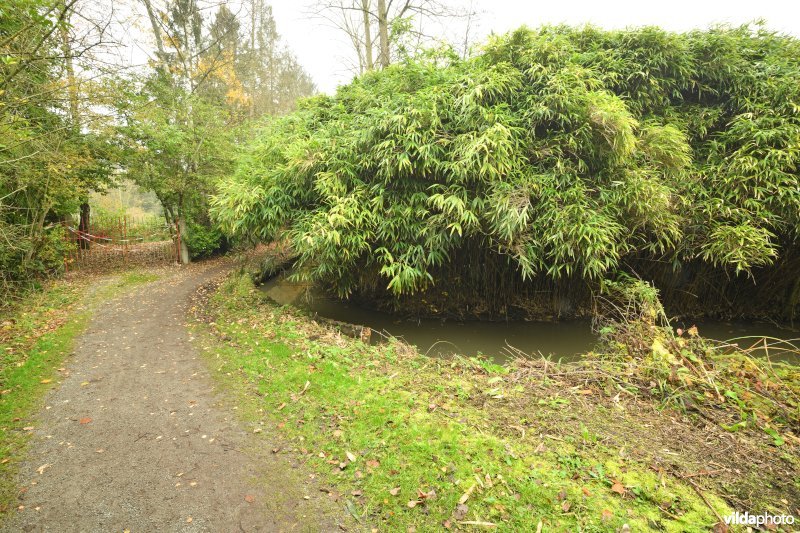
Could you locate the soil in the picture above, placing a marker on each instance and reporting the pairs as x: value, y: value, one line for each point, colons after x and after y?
x: 136, y: 437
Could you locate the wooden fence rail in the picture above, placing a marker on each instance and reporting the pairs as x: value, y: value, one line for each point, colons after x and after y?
x: 109, y: 242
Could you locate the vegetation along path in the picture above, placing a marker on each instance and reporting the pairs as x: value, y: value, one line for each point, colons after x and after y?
x: 134, y: 437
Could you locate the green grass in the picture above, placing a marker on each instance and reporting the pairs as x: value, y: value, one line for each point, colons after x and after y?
x: 35, y: 339
x: 424, y: 425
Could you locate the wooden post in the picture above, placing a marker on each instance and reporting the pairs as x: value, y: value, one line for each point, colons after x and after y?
x: 65, y: 237
x: 177, y: 242
x: 125, y: 237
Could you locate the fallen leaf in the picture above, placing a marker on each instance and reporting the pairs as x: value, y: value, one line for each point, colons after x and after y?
x: 422, y: 495
x: 249, y: 498
x: 46, y: 381
x: 618, y: 488
x: 413, y: 503
x: 395, y: 491
x: 372, y: 463
x: 565, y: 505
x: 606, y: 515
x: 586, y: 491
x: 721, y: 527
x: 42, y: 468
x: 351, y: 457
x: 27, y: 428
x: 84, y: 420
x: 562, y: 495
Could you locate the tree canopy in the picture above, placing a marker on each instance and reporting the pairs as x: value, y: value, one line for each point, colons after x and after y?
x: 557, y: 152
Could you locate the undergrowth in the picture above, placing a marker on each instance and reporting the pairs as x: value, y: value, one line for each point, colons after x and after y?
x: 413, y: 442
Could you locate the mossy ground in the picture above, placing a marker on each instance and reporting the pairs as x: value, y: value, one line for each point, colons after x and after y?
x: 36, y: 336
x: 410, y: 442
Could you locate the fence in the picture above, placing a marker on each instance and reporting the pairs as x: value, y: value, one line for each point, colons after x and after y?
x: 109, y: 242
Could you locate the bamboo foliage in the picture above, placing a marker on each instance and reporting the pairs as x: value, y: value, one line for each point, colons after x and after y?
x: 566, y: 150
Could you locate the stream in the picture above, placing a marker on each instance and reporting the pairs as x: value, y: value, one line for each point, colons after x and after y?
x: 565, y: 340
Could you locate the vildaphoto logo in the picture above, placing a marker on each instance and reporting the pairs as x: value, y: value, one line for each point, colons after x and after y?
x: 763, y: 519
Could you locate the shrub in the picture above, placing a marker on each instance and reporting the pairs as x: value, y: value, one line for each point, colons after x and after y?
x: 204, y: 241
x: 557, y: 153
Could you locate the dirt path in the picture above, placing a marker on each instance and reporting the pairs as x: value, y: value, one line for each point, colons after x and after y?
x: 136, y: 439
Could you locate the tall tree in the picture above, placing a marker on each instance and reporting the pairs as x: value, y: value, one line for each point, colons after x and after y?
x: 52, y: 151
x: 212, y: 74
x: 396, y: 24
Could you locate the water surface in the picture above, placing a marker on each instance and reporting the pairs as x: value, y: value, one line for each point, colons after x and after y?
x: 565, y: 340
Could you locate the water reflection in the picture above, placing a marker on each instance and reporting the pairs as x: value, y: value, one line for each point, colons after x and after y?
x: 565, y: 340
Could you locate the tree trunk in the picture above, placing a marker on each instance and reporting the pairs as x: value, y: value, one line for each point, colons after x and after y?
x: 84, y: 225
x: 72, y: 87
x: 367, y: 35
x: 185, y: 259
x: 252, y: 110
x: 162, y: 56
x: 383, y: 33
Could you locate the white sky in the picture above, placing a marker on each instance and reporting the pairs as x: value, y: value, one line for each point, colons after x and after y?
x: 321, y: 49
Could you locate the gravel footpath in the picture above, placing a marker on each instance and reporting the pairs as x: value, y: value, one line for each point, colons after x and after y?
x: 136, y: 439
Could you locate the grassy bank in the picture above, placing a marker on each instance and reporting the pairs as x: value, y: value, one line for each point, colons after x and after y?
x: 406, y: 441
x: 36, y: 336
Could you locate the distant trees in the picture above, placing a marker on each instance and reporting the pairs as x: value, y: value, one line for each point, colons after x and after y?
x: 380, y: 31
x: 76, y: 113
x: 210, y: 77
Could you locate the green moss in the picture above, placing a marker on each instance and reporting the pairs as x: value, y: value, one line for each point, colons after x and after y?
x: 425, y: 425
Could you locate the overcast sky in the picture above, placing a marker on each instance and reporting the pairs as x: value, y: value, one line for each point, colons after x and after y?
x: 321, y: 49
